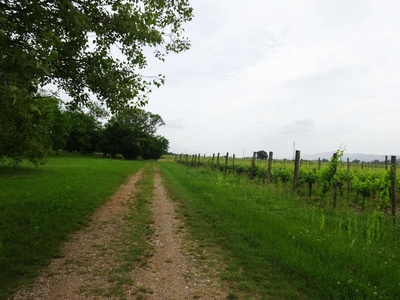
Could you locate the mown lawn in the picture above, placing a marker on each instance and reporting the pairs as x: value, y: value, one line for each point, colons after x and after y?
x: 40, y: 208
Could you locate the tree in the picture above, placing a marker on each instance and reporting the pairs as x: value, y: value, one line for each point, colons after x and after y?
x: 87, y: 47
x: 84, y: 133
x: 25, y: 128
x: 155, y: 147
x: 90, y: 49
x: 262, y: 154
x: 60, y: 130
x: 132, y: 134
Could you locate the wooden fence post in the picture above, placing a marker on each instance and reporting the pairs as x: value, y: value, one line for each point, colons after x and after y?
x: 348, y: 181
x: 269, y: 170
x: 226, y: 162
x: 218, y: 162
x: 253, y: 163
x: 393, y: 189
x: 319, y: 163
x: 386, y: 162
x: 334, y: 183
x: 296, y: 169
x: 212, y: 161
x: 233, y: 164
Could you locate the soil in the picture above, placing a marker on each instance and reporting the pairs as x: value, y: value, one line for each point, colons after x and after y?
x: 177, y: 269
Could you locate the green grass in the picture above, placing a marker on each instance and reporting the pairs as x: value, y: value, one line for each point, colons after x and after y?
x: 277, y: 246
x: 41, y: 207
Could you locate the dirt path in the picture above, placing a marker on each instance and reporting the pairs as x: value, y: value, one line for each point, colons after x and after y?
x: 173, y: 272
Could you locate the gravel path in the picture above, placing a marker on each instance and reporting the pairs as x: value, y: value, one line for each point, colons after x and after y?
x: 177, y: 270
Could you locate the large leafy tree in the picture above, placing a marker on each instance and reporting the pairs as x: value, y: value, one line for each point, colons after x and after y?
x: 90, y: 49
x: 87, y: 47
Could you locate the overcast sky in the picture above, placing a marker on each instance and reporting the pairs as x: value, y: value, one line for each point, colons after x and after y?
x: 266, y: 74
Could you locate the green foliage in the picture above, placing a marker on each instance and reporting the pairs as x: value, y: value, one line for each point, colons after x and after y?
x: 329, y: 176
x: 84, y: 132
x: 132, y: 134
x: 155, y: 147
x: 60, y: 130
x: 365, y: 187
x: 309, y: 176
x: 26, y: 127
x: 69, y: 43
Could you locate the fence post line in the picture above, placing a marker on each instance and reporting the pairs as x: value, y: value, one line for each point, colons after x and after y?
x: 393, y: 189
x: 296, y: 169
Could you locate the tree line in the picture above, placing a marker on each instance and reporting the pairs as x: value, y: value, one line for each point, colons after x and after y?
x: 47, y: 126
x: 94, y: 51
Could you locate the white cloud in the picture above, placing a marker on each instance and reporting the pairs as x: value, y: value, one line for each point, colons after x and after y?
x: 265, y: 74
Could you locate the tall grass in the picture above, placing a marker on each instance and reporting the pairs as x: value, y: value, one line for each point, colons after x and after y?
x: 276, y: 245
x: 40, y: 207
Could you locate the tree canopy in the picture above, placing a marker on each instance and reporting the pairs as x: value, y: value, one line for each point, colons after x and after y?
x: 87, y: 47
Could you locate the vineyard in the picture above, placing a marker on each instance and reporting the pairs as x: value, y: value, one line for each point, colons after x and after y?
x: 330, y: 230
x: 361, y: 186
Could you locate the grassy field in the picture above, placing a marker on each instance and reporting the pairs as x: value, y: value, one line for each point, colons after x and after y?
x: 41, y: 207
x: 279, y: 246
x: 274, y: 244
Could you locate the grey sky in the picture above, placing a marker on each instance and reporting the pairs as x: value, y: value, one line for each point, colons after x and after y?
x: 264, y: 74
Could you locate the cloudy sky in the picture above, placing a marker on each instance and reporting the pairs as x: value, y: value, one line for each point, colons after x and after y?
x: 266, y: 74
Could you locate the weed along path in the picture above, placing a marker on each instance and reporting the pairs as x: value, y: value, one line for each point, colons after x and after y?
x: 135, y: 247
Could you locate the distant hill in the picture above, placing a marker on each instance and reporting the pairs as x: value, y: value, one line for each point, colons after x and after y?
x: 351, y: 156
